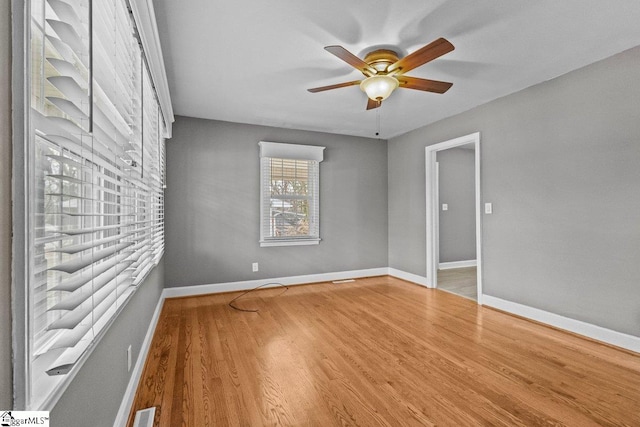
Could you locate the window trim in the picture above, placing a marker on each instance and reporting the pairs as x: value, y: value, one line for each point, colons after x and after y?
x: 289, y: 242
x: 289, y: 152
x: 145, y: 21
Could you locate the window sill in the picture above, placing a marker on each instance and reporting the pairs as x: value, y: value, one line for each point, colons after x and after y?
x: 296, y: 242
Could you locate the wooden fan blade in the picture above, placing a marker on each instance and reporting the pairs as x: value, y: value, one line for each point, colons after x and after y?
x: 336, y: 86
x: 371, y: 104
x: 351, y: 59
x: 423, y: 84
x: 421, y: 56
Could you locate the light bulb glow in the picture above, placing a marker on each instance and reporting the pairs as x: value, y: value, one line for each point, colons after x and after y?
x: 378, y: 88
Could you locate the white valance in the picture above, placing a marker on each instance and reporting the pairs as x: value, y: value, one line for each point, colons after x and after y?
x: 291, y: 151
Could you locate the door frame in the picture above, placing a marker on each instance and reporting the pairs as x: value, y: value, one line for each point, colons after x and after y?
x: 433, y: 208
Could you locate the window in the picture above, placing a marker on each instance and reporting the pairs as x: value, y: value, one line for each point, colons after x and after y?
x: 289, y: 201
x: 95, y: 182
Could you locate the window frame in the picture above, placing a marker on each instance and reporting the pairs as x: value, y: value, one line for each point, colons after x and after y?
x: 151, y: 163
x: 276, y: 150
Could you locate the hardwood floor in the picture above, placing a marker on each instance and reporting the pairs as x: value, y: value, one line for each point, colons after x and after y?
x: 376, y: 352
x: 459, y: 281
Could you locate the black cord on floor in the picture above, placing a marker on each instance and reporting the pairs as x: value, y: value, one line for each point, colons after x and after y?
x: 286, y: 288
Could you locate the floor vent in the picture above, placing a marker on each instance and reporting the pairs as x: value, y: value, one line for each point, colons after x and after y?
x: 144, y: 417
x: 344, y: 281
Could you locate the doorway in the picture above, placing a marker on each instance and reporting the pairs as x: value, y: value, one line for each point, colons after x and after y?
x: 461, y: 273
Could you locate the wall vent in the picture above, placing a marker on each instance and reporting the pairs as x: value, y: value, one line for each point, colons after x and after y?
x: 144, y: 417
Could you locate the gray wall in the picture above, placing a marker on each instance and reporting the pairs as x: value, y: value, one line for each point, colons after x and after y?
x: 6, y: 386
x: 457, y: 189
x: 212, y: 204
x: 560, y: 161
x: 94, y: 396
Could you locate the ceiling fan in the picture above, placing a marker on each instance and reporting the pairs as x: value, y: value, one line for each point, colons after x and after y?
x: 384, y: 71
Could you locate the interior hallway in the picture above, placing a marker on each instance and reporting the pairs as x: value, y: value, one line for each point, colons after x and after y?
x: 459, y: 281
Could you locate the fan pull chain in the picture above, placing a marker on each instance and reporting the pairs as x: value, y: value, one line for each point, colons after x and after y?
x: 378, y: 122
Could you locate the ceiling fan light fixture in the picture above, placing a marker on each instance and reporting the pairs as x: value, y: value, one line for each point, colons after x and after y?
x: 385, y: 71
x: 379, y: 87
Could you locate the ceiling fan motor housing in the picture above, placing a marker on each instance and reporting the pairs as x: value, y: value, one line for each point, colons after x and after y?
x: 381, y: 59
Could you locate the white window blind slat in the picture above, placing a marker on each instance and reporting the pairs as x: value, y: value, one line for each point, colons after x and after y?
x: 82, y: 262
x: 89, y: 230
x: 74, y: 249
x: 108, y: 130
x: 114, y: 265
x: 65, y: 51
x: 70, y: 337
x: 71, y: 110
x: 66, y: 361
x: 74, y: 144
x: 66, y: 178
x: 71, y: 89
x: 103, y: 215
x: 138, y: 248
x: 66, y: 160
x: 144, y: 270
x: 109, y: 116
x: 68, y: 35
x: 67, y: 70
x: 81, y: 303
x: 66, y: 12
x: 51, y: 125
x: 141, y: 256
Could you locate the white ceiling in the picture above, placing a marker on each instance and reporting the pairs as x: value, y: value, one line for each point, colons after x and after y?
x: 251, y: 61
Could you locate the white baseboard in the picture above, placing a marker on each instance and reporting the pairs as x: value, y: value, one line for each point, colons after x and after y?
x: 130, y: 392
x: 291, y: 280
x: 410, y: 277
x: 589, y: 330
x: 457, y: 264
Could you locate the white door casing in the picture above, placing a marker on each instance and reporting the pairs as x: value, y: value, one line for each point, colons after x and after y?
x: 432, y: 207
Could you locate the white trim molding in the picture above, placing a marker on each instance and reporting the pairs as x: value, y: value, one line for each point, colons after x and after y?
x: 145, y: 19
x: 589, y: 330
x: 291, y: 280
x: 432, y: 207
x: 409, y: 277
x: 457, y: 264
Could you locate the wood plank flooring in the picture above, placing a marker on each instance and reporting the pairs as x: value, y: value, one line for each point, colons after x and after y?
x: 376, y: 352
x: 459, y: 281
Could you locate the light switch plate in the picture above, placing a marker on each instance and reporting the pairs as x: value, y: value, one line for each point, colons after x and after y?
x: 488, y: 208
x: 445, y: 207
x: 129, y: 358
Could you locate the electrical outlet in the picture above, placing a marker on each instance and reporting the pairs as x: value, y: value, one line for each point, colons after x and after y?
x: 129, y: 358
x: 254, y: 267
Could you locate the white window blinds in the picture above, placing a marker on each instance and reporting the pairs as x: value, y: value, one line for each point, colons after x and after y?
x: 96, y: 178
x: 289, y: 201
